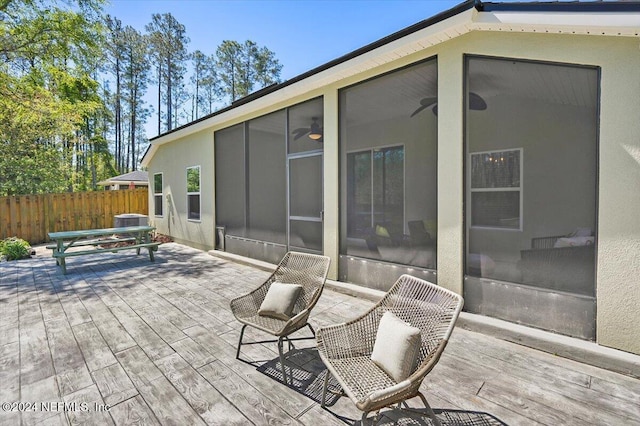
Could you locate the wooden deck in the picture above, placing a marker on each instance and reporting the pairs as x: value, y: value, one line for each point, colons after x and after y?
x: 156, y: 344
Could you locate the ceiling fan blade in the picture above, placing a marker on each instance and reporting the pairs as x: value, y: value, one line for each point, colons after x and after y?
x: 476, y: 102
x: 300, y: 133
x: 418, y: 110
x: 428, y: 101
x: 424, y: 103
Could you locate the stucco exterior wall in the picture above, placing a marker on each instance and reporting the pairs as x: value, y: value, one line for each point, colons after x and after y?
x: 618, y: 260
x: 618, y: 263
x: 172, y: 160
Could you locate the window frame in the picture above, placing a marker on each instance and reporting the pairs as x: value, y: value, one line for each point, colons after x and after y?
x: 193, y: 193
x: 518, y: 189
x: 156, y: 194
x: 373, y: 150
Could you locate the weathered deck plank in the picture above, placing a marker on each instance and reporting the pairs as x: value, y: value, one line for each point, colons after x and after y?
x: 206, y: 400
x: 114, y: 384
x: 96, y: 352
x: 89, y: 408
x: 192, y: 352
x: 160, y: 349
x: 144, y: 335
x: 133, y: 412
x: 35, y: 357
x: 167, y: 404
x: 256, y: 407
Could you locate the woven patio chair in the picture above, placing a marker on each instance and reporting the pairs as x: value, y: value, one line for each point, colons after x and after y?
x: 309, y: 271
x: 346, y: 349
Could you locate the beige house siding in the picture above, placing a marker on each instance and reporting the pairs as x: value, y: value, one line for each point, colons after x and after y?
x: 172, y: 161
x: 618, y: 263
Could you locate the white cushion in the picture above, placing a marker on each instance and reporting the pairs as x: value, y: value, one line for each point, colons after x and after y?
x: 574, y: 241
x: 581, y: 232
x: 397, y: 347
x: 280, y: 300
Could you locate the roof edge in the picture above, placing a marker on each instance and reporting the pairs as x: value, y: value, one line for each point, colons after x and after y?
x: 576, y: 6
x: 466, y: 5
x: 557, y: 6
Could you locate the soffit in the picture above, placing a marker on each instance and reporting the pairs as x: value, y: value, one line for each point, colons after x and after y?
x: 588, y: 23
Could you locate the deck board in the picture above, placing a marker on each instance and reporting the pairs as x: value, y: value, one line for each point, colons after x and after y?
x: 160, y: 349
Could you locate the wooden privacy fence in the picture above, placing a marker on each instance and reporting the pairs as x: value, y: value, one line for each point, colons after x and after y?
x: 32, y: 217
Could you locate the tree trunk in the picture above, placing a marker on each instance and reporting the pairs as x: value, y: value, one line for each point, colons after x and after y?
x: 169, y: 106
x: 134, y: 102
x: 118, y: 120
x: 159, y: 94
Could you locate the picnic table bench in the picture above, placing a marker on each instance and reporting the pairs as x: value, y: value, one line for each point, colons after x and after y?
x: 138, y: 235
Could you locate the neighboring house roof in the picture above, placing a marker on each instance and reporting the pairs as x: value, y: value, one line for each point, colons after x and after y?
x: 138, y: 177
x: 613, y: 18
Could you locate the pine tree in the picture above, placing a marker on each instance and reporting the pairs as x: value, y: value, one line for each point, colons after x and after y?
x: 136, y: 79
x: 169, y: 42
x: 244, y: 68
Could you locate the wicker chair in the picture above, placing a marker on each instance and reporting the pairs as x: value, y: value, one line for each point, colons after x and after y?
x: 346, y: 348
x: 309, y: 271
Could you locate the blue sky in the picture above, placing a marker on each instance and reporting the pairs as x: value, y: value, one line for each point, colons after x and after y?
x: 303, y: 34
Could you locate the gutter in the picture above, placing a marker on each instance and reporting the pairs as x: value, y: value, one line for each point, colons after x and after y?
x: 558, y: 6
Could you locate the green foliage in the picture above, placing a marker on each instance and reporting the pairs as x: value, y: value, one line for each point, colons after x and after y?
x: 59, y: 124
x: 128, y: 61
x: 243, y: 68
x: 205, y: 82
x: 49, y: 103
x: 193, y: 179
x: 169, y: 41
x: 14, y: 248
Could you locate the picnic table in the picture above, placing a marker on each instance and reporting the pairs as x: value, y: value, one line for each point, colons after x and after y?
x: 136, y: 237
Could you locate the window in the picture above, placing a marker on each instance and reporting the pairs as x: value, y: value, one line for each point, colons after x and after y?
x: 496, y: 188
x: 157, y: 194
x: 193, y: 193
x: 377, y: 191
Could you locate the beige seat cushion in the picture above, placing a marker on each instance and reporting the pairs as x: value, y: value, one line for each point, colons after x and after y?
x: 280, y: 300
x: 397, y: 347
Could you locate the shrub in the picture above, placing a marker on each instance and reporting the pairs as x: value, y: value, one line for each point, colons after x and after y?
x: 14, y: 248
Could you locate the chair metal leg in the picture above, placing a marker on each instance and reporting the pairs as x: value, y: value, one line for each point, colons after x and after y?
x: 284, y: 374
x: 324, y: 389
x: 312, y: 330
x: 436, y: 422
x: 375, y: 419
x: 240, y: 341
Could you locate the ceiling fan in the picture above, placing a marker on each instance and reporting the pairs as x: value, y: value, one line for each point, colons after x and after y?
x: 314, y: 131
x: 475, y: 103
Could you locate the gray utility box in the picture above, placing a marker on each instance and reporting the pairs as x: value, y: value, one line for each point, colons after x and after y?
x: 130, y: 219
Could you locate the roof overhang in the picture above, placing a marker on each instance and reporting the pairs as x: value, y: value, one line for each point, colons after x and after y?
x: 592, y: 18
x: 589, y: 18
x: 122, y: 182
